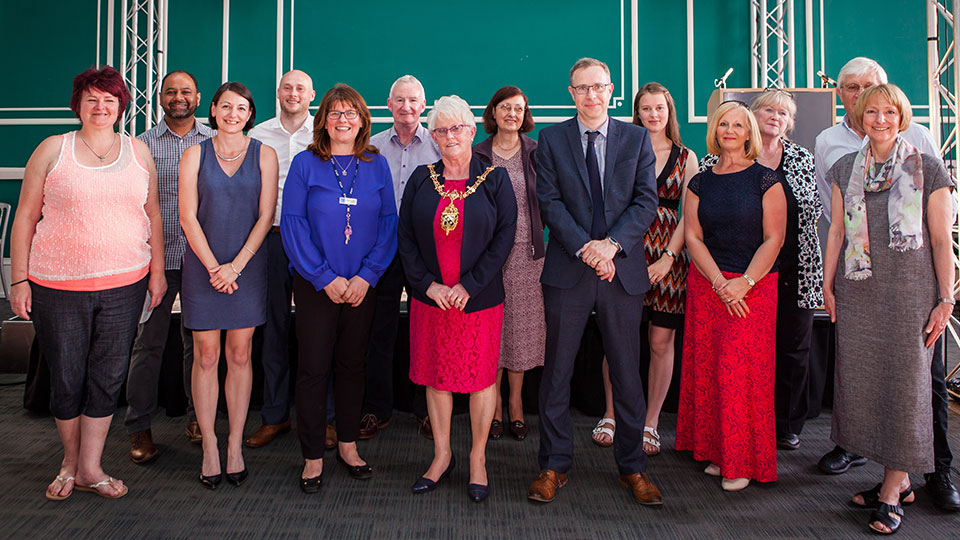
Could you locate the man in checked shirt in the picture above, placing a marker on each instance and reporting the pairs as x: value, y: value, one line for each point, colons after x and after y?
x: 177, y: 131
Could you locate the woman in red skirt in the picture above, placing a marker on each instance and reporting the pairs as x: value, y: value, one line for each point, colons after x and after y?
x: 735, y: 216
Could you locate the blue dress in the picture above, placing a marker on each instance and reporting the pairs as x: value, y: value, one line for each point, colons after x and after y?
x: 227, y: 209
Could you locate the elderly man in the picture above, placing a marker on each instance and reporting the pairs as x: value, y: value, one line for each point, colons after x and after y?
x: 832, y: 144
x: 406, y: 145
x: 176, y: 131
x: 288, y: 134
x: 598, y: 194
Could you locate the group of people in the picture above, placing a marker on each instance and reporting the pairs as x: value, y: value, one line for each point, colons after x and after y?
x: 343, y: 222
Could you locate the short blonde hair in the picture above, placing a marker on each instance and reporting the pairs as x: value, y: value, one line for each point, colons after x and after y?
x: 452, y: 106
x: 776, y: 98
x: 890, y: 92
x: 751, y: 151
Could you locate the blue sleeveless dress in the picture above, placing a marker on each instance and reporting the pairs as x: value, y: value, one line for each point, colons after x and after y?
x: 228, y: 207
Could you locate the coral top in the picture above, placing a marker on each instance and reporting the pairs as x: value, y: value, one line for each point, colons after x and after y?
x: 94, y: 230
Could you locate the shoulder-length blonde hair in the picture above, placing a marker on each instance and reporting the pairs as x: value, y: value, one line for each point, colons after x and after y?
x: 751, y: 150
x: 673, y: 127
x: 321, y: 139
x: 890, y: 92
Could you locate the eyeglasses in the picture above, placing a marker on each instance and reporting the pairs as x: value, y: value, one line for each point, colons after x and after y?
x: 452, y: 130
x: 737, y: 101
x: 854, y: 88
x: 352, y: 114
x: 506, y: 108
x: 775, y: 89
x: 583, y: 89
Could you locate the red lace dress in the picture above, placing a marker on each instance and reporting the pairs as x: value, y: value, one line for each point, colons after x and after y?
x: 453, y: 350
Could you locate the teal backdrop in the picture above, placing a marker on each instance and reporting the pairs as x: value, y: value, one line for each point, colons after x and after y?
x: 466, y: 48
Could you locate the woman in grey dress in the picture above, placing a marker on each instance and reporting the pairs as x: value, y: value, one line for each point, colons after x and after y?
x: 891, y: 298
x: 228, y: 193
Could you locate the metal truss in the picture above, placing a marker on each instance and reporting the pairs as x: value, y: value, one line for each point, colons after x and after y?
x: 772, y: 44
x: 944, y: 82
x: 143, y: 45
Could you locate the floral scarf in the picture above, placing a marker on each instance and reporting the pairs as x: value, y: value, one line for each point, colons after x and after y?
x: 902, y: 174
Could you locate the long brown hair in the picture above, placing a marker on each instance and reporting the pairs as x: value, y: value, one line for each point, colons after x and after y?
x: 673, y: 127
x: 321, y: 139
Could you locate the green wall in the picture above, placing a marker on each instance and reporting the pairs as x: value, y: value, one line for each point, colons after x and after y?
x: 470, y: 49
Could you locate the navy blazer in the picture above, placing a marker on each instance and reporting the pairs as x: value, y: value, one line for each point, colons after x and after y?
x: 489, y: 220
x: 629, y: 195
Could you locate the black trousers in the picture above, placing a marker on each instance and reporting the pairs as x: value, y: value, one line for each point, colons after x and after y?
x: 794, y: 333
x: 942, y: 456
x: 331, y: 336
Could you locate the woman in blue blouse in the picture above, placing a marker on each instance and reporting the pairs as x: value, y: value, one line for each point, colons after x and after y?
x: 339, y: 229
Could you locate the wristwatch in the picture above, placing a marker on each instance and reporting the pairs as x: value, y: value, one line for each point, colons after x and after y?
x: 945, y: 300
x: 614, y: 242
x: 748, y: 279
x: 670, y: 253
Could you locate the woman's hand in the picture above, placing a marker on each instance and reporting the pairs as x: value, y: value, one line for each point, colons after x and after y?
x: 157, y: 287
x: 830, y: 302
x: 939, y: 318
x: 731, y: 291
x: 657, y: 270
x: 336, y: 289
x: 356, y: 291
x: 458, y: 297
x: 439, y: 294
x: 21, y: 300
x: 224, y: 278
x: 738, y: 309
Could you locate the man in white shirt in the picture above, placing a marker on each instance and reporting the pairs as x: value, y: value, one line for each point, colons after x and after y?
x: 288, y: 134
x: 406, y: 145
x: 832, y: 144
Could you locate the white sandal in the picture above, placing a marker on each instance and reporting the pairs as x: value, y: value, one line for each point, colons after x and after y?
x: 653, y: 439
x: 118, y: 487
x: 602, y: 429
x: 63, y: 483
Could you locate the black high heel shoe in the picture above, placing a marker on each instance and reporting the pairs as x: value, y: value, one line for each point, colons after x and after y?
x: 238, y: 478
x: 478, y: 492
x: 211, y: 482
x: 424, y: 484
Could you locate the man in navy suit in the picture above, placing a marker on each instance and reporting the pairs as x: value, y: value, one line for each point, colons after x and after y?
x: 597, y: 190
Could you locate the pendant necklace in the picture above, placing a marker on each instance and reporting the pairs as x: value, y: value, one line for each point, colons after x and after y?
x: 450, y: 216
x: 343, y: 170
x: 107, y: 153
x: 346, y: 197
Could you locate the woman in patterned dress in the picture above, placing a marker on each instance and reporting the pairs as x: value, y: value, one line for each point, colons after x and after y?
x: 667, y: 260
x: 507, y: 117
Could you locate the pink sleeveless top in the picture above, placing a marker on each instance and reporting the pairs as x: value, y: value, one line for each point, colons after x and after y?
x: 94, y: 231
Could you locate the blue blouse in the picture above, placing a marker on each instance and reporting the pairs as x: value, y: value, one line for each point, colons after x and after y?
x: 312, y: 220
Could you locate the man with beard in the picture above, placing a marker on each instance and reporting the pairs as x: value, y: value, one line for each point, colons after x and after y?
x: 288, y: 134
x: 177, y: 131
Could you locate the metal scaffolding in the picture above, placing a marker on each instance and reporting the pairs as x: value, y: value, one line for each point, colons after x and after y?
x: 143, y: 59
x: 772, y: 44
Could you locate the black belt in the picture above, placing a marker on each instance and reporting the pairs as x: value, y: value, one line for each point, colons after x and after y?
x: 669, y: 203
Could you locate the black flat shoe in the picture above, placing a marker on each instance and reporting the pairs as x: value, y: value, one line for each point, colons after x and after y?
x: 839, y: 461
x: 311, y: 485
x: 496, y: 430
x: 788, y: 441
x: 941, y: 488
x: 478, y: 492
x: 360, y: 472
x: 885, y: 514
x: 210, y: 482
x: 424, y: 484
x: 237, y: 478
x: 871, y: 497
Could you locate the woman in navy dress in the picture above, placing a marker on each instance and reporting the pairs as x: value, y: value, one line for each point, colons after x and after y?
x: 228, y: 192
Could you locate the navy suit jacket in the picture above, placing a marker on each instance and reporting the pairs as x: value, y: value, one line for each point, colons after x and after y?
x: 629, y: 196
x: 489, y: 220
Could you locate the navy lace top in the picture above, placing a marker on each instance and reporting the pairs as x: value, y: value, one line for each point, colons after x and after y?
x: 731, y: 213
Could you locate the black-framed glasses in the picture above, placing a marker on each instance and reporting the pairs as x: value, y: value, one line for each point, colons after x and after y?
x: 352, y: 114
x: 583, y: 89
x: 774, y: 89
x: 452, y: 130
x: 737, y: 101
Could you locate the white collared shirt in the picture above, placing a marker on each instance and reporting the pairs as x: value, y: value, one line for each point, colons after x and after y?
x: 273, y: 134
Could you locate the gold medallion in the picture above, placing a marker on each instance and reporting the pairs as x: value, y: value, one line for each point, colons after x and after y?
x: 450, y: 217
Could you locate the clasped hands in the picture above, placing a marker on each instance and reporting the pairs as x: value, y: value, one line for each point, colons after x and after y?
x: 598, y: 254
x: 347, y: 291
x: 732, y: 292
x: 223, y: 278
x: 448, y: 297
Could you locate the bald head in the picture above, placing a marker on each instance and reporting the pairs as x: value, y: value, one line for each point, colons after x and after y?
x: 295, y: 93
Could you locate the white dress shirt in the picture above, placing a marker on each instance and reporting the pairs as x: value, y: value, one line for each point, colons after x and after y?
x: 273, y: 134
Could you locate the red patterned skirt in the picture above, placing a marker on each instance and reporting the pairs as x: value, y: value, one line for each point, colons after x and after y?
x: 726, y: 411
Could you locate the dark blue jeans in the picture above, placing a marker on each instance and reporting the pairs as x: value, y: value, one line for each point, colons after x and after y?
x: 86, y: 338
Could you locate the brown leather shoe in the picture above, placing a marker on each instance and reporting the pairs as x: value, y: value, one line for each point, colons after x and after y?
x: 142, y: 449
x: 544, y: 488
x: 370, y: 425
x: 266, y: 433
x: 331, y: 438
x: 425, y: 428
x: 192, y: 431
x: 643, y: 489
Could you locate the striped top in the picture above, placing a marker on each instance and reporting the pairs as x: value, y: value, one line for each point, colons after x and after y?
x: 94, y: 230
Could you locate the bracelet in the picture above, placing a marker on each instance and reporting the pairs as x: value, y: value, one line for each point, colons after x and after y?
x: 748, y: 279
x: 24, y: 280
x: 235, y: 270
x: 714, y: 283
x: 252, y: 252
x: 942, y: 299
x: 670, y: 253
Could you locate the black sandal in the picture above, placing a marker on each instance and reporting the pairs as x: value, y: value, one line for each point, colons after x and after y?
x: 883, y: 515
x: 871, y: 497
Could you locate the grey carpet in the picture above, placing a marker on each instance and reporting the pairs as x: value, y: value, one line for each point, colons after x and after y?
x: 166, y: 500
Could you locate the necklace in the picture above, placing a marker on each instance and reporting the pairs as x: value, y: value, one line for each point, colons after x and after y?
x: 107, y: 153
x: 450, y: 217
x: 234, y: 158
x: 346, y: 197
x: 504, y: 149
x: 343, y: 169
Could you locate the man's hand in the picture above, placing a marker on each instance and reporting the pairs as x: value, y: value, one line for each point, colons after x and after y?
x: 595, y: 252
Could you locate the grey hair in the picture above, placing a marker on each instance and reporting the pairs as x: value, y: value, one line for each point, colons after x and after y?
x: 452, y: 106
x: 407, y: 79
x: 861, y: 65
x: 586, y: 62
x: 776, y: 98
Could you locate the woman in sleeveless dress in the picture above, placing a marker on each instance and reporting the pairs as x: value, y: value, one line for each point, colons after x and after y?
x: 82, y: 273
x: 228, y: 194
